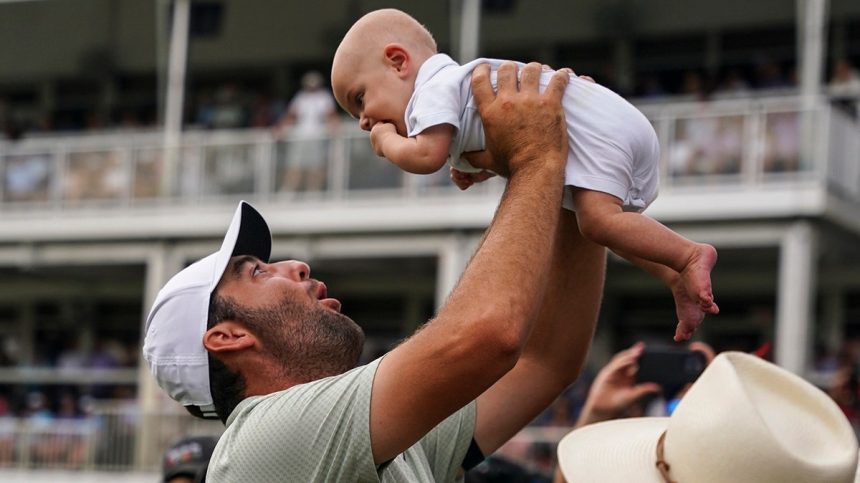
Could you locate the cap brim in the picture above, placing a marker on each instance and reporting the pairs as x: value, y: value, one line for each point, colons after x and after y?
x: 620, y: 450
x: 248, y: 234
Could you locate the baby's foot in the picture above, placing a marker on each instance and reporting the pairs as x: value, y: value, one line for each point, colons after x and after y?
x: 696, y: 277
x: 690, y: 315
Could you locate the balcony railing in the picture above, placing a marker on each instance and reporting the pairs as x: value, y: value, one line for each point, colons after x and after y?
x: 733, y: 144
x: 108, y: 439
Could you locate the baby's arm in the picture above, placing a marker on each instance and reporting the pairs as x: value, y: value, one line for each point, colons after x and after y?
x: 423, y: 154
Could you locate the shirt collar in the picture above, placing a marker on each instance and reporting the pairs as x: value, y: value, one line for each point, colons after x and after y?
x: 432, y: 66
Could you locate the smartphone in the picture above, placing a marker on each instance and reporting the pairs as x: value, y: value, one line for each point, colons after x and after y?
x: 672, y: 368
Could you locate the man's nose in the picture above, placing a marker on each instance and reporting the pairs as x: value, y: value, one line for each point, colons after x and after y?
x: 294, y: 269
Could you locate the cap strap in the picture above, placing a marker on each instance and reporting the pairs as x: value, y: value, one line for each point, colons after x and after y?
x: 662, y: 465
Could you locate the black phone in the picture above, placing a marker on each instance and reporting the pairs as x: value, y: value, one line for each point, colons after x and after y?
x: 672, y: 368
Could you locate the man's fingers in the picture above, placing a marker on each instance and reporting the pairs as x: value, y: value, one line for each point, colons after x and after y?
x: 482, y: 89
x: 555, y: 89
x: 506, y: 80
x: 530, y: 77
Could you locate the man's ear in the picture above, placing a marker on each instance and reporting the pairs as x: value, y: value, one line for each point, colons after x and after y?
x: 228, y: 336
x: 397, y: 57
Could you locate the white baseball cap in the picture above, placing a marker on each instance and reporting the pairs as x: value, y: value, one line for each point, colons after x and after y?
x: 744, y: 420
x: 173, y: 343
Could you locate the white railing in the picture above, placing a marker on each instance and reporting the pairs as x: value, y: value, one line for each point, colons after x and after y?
x: 105, y: 440
x: 741, y: 143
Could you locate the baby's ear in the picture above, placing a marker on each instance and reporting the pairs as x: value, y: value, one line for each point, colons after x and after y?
x: 397, y: 57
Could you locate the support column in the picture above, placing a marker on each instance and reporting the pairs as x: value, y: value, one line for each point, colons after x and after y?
x: 470, y: 30
x: 453, y: 257
x: 160, y: 266
x: 173, y: 103
x: 798, y: 260
x: 811, y: 41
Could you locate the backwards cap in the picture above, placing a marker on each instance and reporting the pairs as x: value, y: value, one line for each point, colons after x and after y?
x: 173, y: 343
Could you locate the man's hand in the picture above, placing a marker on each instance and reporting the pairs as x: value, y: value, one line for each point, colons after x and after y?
x: 378, y: 133
x: 465, y: 180
x: 521, y: 124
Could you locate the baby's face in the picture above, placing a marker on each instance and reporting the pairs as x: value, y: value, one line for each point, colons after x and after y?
x: 372, y: 94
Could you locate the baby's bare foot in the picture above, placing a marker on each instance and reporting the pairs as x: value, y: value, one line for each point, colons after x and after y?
x: 696, y: 277
x: 690, y: 315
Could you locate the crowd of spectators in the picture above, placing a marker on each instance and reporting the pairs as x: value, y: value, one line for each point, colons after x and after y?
x: 50, y: 423
x: 232, y: 105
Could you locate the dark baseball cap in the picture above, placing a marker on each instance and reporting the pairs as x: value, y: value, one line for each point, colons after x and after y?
x: 189, y: 457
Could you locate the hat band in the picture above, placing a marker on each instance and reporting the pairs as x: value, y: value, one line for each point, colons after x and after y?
x: 661, y: 463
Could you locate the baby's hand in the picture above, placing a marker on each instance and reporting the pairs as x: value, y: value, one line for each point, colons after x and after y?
x: 378, y: 133
x: 464, y: 180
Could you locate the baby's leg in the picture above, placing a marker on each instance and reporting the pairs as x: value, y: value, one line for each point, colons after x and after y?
x: 602, y: 220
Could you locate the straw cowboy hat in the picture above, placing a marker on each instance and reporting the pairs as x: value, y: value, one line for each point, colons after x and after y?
x: 744, y: 421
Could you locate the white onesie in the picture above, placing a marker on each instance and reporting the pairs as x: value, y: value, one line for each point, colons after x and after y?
x: 613, y: 147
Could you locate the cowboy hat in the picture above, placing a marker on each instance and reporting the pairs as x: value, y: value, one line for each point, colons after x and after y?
x: 744, y: 420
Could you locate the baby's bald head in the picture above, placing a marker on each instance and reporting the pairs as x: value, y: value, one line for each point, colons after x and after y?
x: 382, y: 27
x: 364, y: 43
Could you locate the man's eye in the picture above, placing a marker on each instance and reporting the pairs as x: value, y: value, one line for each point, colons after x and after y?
x: 359, y: 99
x: 258, y: 270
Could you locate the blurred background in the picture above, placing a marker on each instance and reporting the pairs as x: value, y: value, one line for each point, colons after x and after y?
x: 129, y: 130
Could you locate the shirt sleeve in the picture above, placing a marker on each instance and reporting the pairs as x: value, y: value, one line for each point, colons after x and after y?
x: 434, y: 103
x: 446, y: 445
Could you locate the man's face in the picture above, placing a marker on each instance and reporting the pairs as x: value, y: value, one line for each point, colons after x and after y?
x: 292, y: 316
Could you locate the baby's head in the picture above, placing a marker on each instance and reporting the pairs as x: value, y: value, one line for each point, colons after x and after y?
x: 374, y: 68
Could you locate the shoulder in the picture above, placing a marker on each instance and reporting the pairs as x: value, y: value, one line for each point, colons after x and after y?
x: 295, y: 429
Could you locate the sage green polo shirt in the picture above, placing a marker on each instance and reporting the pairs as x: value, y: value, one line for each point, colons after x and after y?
x: 320, y: 432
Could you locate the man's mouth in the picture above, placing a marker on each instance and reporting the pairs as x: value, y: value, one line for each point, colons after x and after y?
x: 323, y: 298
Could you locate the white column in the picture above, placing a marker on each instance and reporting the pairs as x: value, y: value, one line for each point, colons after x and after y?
x: 470, y: 30
x: 160, y: 266
x: 798, y: 262
x: 811, y: 27
x: 453, y: 257
x: 177, y: 61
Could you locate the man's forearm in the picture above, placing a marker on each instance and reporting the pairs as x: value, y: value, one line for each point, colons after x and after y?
x: 512, y: 264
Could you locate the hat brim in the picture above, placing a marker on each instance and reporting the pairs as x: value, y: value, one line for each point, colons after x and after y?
x: 619, y: 450
x: 248, y: 234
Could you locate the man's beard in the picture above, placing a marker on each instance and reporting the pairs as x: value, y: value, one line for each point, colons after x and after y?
x: 308, y: 342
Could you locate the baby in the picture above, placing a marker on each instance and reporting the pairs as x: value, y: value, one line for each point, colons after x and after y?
x: 418, y: 107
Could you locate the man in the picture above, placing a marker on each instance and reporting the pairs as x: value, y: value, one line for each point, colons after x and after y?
x: 270, y: 353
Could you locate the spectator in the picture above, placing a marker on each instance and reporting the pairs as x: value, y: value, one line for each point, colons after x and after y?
x: 733, y: 84
x: 769, y: 75
x: 743, y: 420
x: 8, y: 432
x: 186, y: 460
x: 782, y: 142
x: 845, y: 80
x: 227, y: 112
x: 309, y: 121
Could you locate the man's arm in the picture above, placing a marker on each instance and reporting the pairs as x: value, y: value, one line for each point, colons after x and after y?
x: 480, y: 331
x: 425, y: 153
x: 556, y: 350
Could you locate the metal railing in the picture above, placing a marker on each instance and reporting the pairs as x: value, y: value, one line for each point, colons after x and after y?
x: 104, y: 440
x: 742, y: 143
